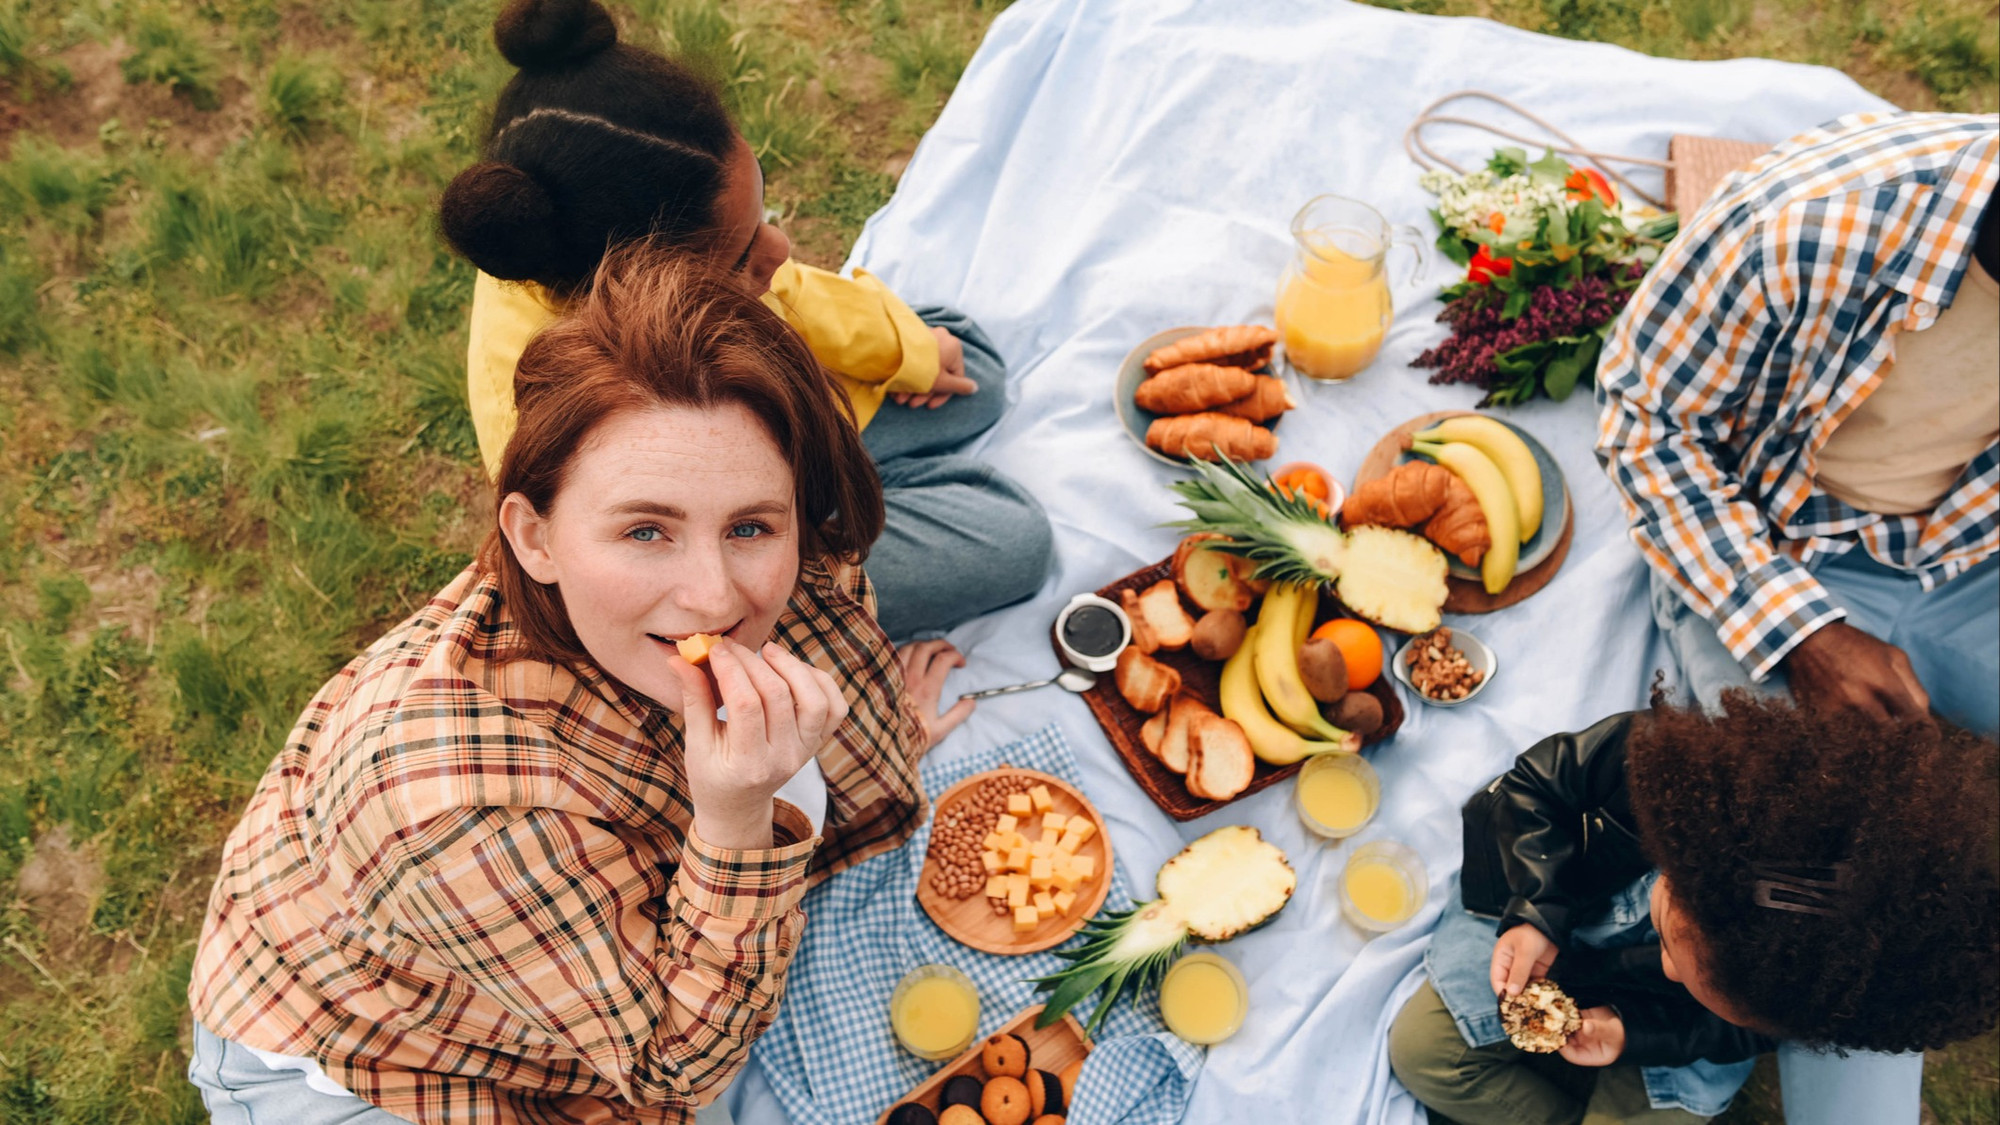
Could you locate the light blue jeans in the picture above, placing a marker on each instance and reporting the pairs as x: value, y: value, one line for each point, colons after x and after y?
x: 1952, y: 636
x: 239, y: 1089
x: 961, y: 539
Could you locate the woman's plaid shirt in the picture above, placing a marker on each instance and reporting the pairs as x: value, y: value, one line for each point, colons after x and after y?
x: 1762, y: 327
x: 467, y: 886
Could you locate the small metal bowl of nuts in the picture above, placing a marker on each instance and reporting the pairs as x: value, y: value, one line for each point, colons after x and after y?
x: 1445, y: 667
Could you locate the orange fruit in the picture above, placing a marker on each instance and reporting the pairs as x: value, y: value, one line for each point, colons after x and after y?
x: 1359, y: 646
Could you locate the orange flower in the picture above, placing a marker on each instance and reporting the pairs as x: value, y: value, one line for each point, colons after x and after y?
x: 1585, y: 183
x: 1496, y: 222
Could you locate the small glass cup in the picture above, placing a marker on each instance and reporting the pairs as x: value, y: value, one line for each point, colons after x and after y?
x: 1205, y: 1036
x: 1383, y: 874
x: 908, y: 991
x: 1353, y: 765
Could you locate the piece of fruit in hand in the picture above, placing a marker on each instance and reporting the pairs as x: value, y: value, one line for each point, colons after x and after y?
x: 1145, y: 683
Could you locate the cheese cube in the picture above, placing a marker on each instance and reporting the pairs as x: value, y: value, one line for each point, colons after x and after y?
x: 1083, y: 828
x: 1020, y: 881
x: 1007, y: 823
x: 1019, y: 805
x: 996, y: 887
x: 1040, y: 799
x: 1083, y: 865
x: 1064, y: 900
x: 1041, y: 849
x: 1026, y: 918
x: 1053, y: 820
x: 1017, y: 894
x: 1065, y: 878
x: 1051, y: 837
x: 992, y: 862
x: 1039, y: 871
x: 1070, y: 841
x: 1017, y: 860
x: 993, y: 842
x: 1045, y: 906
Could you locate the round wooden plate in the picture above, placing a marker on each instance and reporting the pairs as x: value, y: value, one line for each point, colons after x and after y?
x: 972, y: 922
x: 1468, y: 595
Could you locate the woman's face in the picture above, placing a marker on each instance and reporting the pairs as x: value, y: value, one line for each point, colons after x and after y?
x: 673, y: 521
x: 748, y: 244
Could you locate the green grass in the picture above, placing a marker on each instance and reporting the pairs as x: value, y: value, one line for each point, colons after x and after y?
x: 233, y: 441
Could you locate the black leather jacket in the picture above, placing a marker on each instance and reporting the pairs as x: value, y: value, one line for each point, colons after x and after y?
x: 1554, y: 837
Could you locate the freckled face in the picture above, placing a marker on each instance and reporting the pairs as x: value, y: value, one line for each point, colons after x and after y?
x: 672, y: 521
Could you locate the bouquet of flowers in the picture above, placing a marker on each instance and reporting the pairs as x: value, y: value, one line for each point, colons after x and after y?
x: 1551, y: 256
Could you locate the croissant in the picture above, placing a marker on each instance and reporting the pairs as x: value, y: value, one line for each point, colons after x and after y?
x: 1206, y: 435
x: 1233, y: 345
x: 1269, y: 400
x: 1192, y: 387
x: 1420, y: 492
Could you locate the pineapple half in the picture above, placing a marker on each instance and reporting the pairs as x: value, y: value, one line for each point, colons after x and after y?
x: 1227, y: 883
x: 1390, y: 577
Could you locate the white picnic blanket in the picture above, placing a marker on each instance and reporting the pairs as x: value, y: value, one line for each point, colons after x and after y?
x: 1108, y: 169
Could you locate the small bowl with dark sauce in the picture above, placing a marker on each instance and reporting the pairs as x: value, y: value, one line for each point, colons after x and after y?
x: 1092, y: 631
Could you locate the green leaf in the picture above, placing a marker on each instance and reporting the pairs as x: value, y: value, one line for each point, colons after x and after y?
x: 1550, y: 169
x: 1517, y: 303
x: 1508, y: 161
x: 1560, y: 377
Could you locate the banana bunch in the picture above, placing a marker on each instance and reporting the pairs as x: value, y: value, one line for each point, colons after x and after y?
x: 1501, y: 471
x: 1263, y: 691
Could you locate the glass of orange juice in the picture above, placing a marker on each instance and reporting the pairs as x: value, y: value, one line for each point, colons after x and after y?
x: 1203, y: 998
x: 935, y: 1011
x: 1337, y: 794
x: 1383, y: 886
x: 1333, y: 299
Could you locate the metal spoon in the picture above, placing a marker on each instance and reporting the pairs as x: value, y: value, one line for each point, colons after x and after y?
x: 1071, y: 679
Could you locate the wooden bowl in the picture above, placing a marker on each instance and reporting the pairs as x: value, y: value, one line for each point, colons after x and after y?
x: 1121, y: 721
x: 1052, y: 1048
x: 972, y: 922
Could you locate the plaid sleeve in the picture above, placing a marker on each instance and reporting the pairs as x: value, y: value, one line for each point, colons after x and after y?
x: 1679, y: 367
x: 658, y: 980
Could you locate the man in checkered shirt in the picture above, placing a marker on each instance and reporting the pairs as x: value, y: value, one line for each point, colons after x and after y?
x: 1800, y: 409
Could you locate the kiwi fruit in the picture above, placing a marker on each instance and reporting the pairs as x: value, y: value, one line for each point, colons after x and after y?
x: 1357, y: 711
x: 1323, y: 669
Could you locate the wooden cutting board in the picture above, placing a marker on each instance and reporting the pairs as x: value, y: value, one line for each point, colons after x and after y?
x: 972, y: 922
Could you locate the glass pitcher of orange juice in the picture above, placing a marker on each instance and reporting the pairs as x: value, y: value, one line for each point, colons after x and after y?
x: 1333, y: 300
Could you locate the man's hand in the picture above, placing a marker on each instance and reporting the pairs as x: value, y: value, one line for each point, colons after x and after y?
x: 1840, y: 667
x: 1522, y: 954
x: 925, y: 665
x: 951, y: 377
x: 1599, y: 1041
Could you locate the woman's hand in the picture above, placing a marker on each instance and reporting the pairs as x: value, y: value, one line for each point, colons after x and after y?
x: 951, y: 377
x: 925, y: 665
x: 1599, y: 1042
x: 1522, y: 954
x: 781, y: 712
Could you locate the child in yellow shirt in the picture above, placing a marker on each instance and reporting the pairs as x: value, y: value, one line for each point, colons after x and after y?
x: 595, y: 142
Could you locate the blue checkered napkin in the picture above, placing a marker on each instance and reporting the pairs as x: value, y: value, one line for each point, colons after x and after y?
x: 831, y: 1057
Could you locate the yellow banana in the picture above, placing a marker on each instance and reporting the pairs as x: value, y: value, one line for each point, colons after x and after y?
x: 1277, y: 662
x: 1489, y: 488
x: 1508, y: 452
x: 1243, y: 704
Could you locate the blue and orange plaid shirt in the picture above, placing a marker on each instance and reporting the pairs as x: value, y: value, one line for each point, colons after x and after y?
x: 468, y: 885
x: 1763, y: 326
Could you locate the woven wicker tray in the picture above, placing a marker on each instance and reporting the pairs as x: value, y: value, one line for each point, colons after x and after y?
x: 1121, y: 722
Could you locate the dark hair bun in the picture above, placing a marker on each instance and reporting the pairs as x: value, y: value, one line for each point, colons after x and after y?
x: 551, y: 34
x: 501, y: 219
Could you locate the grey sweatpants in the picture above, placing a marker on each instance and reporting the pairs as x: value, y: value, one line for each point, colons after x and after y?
x: 961, y: 538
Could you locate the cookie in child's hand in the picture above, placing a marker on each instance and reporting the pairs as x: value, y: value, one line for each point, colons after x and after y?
x: 1541, y: 1019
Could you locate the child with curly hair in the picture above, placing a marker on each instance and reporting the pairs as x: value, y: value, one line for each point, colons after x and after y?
x: 1704, y: 887
x: 595, y: 143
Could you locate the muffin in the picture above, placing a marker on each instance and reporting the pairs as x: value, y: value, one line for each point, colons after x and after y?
x: 1005, y: 1102
x: 961, y: 1089
x: 1541, y: 1019
x: 910, y: 1113
x: 961, y: 1115
x: 1005, y: 1056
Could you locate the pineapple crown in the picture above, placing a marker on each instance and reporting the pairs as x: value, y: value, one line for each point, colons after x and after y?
x: 1285, y: 534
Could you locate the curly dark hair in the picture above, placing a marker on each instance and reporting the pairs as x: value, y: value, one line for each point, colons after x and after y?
x: 1910, y: 958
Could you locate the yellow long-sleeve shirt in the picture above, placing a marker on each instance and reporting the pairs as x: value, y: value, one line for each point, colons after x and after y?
x: 860, y: 330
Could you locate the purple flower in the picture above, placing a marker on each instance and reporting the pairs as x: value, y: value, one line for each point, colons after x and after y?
x: 1480, y: 332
